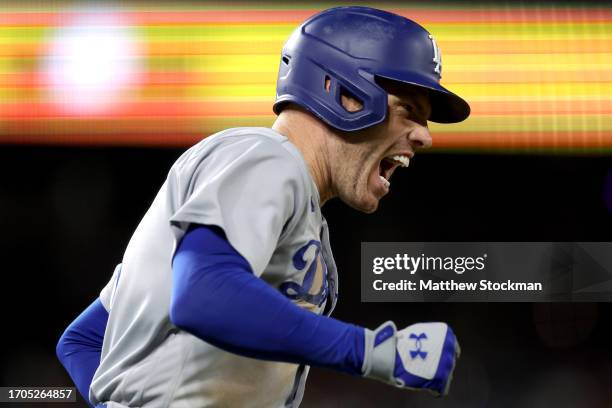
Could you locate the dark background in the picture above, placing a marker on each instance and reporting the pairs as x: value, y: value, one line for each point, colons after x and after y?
x: 68, y: 213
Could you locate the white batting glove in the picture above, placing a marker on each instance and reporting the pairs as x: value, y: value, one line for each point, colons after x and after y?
x: 420, y: 357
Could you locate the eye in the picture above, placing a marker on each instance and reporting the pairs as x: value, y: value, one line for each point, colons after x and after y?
x: 413, y: 115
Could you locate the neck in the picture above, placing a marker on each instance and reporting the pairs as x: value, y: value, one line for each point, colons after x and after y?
x: 312, y: 139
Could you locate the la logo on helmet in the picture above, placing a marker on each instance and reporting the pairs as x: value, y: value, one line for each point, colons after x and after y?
x: 437, y: 57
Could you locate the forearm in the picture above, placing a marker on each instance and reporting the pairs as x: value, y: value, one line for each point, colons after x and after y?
x: 80, y: 346
x: 216, y: 298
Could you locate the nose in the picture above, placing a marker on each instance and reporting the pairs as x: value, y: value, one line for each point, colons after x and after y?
x: 419, y: 137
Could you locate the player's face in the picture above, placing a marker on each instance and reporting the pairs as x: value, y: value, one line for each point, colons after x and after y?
x: 366, y: 159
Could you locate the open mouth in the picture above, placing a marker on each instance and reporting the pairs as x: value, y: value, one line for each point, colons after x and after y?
x: 388, y: 165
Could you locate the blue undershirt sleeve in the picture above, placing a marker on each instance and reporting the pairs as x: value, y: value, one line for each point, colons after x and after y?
x: 216, y: 298
x: 80, y: 346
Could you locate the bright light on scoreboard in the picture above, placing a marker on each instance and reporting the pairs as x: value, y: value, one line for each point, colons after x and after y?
x: 539, y: 79
x: 90, y: 64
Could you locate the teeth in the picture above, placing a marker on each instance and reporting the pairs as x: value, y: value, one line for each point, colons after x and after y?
x: 385, y: 181
x: 404, y: 161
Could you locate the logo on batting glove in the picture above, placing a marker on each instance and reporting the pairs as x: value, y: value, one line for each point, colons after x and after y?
x: 418, y: 343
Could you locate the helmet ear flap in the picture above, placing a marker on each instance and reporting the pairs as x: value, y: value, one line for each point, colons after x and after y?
x: 320, y: 89
x: 360, y: 99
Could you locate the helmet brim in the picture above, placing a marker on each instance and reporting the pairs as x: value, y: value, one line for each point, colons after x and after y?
x: 446, y: 107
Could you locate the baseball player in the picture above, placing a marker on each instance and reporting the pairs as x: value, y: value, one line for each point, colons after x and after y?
x: 223, y: 295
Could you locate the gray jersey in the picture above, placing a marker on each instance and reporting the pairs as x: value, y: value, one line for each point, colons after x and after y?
x: 253, y: 183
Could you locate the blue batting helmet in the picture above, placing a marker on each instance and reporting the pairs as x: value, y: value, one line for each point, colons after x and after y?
x: 350, y: 47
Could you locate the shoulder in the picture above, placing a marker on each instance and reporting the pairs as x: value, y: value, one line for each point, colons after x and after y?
x: 248, y: 144
x: 257, y: 156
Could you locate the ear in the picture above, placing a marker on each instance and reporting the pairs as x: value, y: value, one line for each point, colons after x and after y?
x: 349, y: 102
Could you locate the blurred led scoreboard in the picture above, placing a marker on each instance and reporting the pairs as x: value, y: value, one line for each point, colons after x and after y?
x: 539, y: 79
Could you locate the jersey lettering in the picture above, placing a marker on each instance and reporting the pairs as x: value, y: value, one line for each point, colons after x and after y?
x: 313, y: 289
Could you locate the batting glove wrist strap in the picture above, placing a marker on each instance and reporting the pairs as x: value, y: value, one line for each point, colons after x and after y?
x: 379, y: 353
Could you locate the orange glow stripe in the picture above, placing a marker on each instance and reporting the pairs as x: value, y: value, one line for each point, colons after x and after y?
x: 165, y: 48
x: 115, y: 139
x: 29, y: 111
x: 186, y: 48
x: 187, y: 79
x: 43, y: 111
x: 35, y: 79
x: 576, y: 46
x: 554, y: 107
x: 165, y: 17
x: 152, y: 126
x: 510, y: 15
x: 469, y: 16
x: 525, y: 141
x: 529, y: 46
x: 23, y: 50
x: 526, y: 77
